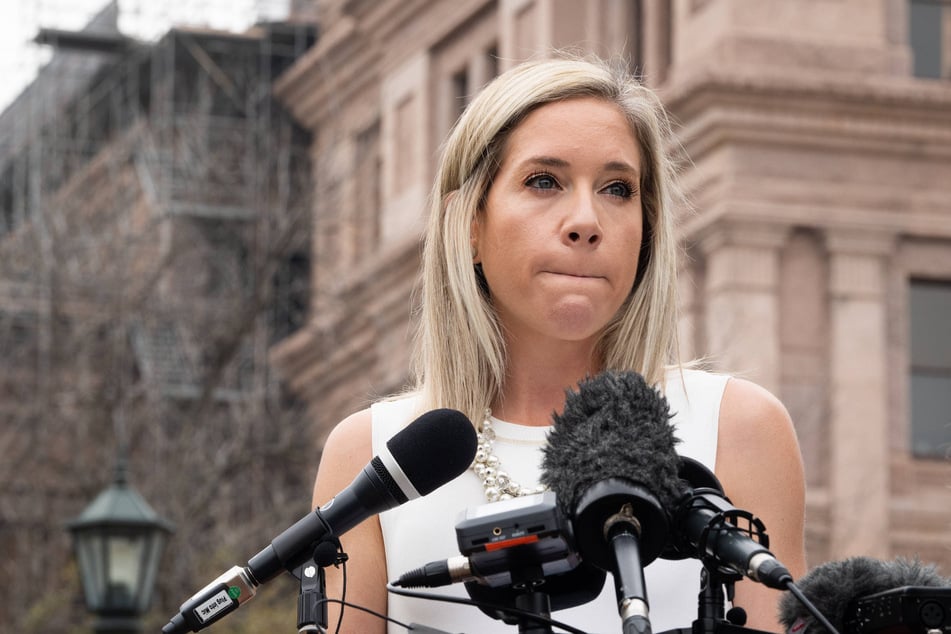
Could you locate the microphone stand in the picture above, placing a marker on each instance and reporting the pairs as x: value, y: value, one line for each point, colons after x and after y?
x: 311, y: 601
x: 311, y: 604
x: 531, y: 600
x: 537, y: 603
x: 523, y: 593
x: 717, y: 586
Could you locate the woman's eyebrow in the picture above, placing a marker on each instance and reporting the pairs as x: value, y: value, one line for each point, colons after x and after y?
x: 547, y: 161
x: 553, y: 161
x: 620, y: 166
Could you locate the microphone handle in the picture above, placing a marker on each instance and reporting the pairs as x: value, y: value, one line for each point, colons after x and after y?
x: 276, y: 557
x: 366, y: 496
x: 629, y: 579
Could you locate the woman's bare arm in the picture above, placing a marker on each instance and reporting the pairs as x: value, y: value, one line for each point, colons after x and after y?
x: 347, y: 450
x: 760, y: 467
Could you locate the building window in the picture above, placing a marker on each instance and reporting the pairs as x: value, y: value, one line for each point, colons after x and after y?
x: 636, y: 45
x: 460, y: 92
x: 926, y: 19
x: 468, y: 73
x: 930, y: 353
x: 526, y: 31
x: 492, y: 62
x: 366, y: 230
x: 404, y: 167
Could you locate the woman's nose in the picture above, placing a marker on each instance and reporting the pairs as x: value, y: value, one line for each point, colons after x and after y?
x: 582, y: 226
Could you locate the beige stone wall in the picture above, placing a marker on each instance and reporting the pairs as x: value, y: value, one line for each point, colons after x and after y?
x: 819, y: 174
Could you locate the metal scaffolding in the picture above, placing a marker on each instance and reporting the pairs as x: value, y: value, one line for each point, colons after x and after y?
x: 154, y: 242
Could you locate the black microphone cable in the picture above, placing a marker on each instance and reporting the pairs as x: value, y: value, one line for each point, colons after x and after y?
x: 410, y: 627
x: 342, y: 601
x: 482, y: 604
x: 812, y: 609
x: 343, y: 597
x: 423, y: 629
x: 355, y: 606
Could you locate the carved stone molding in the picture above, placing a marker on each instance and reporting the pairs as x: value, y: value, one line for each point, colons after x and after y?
x: 857, y: 267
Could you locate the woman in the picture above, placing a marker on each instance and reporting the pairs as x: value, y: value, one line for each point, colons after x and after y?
x: 549, y: 257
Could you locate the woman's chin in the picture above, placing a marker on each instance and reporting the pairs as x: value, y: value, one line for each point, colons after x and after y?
x: 577, y: 319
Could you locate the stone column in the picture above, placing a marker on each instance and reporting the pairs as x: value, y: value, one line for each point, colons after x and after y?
x: 690, y: 304
x: 858, y: 403
x: 741, y: 299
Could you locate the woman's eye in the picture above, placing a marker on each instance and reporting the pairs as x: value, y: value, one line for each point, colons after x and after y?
x: 542, y: 181
x: 620, y: 189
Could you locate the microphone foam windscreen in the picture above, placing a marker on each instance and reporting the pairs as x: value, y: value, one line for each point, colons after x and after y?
x: 832, y: 585
x: 435, y: 448
x: 614, y: 426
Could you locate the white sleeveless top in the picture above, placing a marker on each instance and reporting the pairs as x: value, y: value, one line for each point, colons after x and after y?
x: 423, y: 530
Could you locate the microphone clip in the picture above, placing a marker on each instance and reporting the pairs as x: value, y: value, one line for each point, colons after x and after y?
x: 312, y: 599
x: 725, y: 522
x: 624, y: 519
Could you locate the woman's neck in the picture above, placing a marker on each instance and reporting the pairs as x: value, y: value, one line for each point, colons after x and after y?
x: 537, y: 378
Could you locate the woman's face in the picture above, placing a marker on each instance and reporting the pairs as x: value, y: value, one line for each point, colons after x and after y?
x: 560, y: 234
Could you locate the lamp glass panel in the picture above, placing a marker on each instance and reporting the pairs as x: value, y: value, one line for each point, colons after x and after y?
x: 90, y: 553
x: 155, y: 544
x: 124, y: 569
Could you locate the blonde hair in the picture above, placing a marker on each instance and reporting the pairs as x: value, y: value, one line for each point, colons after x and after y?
x: 460, y: 357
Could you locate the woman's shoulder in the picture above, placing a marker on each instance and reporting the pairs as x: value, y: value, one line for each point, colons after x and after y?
x: 748, y: 404
x: 363, y: 428
x: 351, y: 435
x: 739, y: 400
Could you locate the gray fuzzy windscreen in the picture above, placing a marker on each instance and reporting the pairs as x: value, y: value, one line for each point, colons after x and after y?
x: 831, y: 586
x: 614, y: 426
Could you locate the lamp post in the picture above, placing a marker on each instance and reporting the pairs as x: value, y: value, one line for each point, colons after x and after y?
x: 118, y: 540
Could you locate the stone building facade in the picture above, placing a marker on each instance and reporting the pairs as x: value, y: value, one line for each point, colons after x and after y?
x: 817, y: 157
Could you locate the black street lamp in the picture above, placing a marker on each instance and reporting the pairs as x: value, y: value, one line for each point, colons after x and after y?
x: 118, y: 540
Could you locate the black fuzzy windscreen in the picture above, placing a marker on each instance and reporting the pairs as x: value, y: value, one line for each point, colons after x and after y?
x: 614, y: 426
x: 831, y: 586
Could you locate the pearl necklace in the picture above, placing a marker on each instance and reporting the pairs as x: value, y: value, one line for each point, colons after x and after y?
x: 497, y: 483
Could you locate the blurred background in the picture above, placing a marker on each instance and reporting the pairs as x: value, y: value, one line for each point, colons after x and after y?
x: 209, y: 239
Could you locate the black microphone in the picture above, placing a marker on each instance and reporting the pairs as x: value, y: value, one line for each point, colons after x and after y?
x: 862, y: 594
x: 707, y: 526
x: 611, y: 462
x: 432, y: 450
